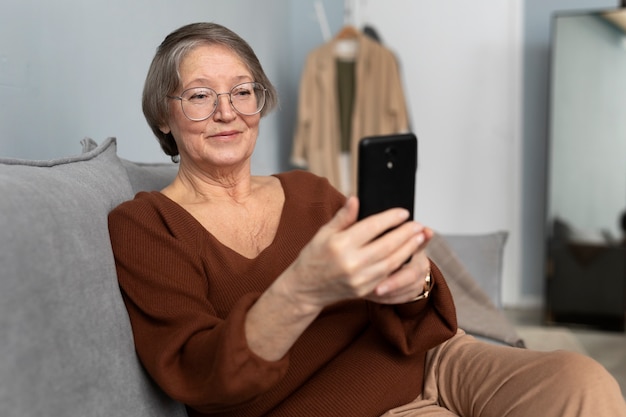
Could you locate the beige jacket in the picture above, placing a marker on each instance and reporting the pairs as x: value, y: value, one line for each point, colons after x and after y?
x: 379, y: 107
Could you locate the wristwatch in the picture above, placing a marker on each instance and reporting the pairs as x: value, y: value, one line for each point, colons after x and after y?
x: 428, y: 284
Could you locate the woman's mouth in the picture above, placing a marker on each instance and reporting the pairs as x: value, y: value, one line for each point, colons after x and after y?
x: 229, y: 134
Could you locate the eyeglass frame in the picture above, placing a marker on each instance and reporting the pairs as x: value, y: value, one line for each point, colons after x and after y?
x: 180, y: 98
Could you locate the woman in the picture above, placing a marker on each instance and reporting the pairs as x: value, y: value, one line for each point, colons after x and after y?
x: 263, y: 296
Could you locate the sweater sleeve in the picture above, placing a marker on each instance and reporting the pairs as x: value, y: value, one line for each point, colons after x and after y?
x: 421, y: 325
x: 195, y: 356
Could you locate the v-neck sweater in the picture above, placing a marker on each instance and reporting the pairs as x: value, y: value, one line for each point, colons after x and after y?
x: 187, y: 297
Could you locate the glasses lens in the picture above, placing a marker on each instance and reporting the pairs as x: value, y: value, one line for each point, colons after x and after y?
x: 198, y: 103
x: 248, y: 98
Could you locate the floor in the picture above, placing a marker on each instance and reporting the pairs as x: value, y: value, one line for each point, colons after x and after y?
x: 608, y: 348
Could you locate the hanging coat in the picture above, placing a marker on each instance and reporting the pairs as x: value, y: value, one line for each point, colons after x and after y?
x: 379, y: 107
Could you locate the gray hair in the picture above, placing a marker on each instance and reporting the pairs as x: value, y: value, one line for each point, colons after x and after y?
x: 163, y: 77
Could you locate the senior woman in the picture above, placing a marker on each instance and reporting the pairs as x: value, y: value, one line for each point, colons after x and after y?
x: 264, y: 296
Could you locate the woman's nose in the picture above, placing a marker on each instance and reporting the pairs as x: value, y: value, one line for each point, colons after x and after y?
x: 224, y: 109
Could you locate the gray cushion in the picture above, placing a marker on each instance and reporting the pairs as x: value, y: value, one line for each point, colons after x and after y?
x: 66, y: 346
x: 143, y: 176
x: 482, y: 255
x: 476, y: 312
x: 149, y: 177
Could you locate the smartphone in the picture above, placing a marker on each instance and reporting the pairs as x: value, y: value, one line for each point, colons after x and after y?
x: 386, y: 170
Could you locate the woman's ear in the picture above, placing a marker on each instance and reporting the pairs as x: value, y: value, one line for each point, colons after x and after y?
x: 165, y: 129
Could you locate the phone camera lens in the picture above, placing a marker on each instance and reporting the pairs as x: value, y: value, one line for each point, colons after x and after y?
x: 391, y: 153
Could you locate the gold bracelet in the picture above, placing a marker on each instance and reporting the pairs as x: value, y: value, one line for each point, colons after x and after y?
x: 427, y: 287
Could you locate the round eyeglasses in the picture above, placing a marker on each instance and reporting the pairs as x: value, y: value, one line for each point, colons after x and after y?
x: 199, y: 103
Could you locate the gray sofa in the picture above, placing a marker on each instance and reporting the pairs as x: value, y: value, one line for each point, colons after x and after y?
x: 66, y: 346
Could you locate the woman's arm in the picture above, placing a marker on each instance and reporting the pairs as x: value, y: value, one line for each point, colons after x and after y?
x: 195, y: 351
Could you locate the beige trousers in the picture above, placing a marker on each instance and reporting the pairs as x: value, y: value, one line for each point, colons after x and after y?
x: 468, y: 378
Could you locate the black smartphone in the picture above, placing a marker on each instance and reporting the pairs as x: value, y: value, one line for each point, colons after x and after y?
x: 387, y: 166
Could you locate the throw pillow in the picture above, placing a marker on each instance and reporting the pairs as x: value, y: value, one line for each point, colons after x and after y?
x: 482, y: 255
x: 477, y: 314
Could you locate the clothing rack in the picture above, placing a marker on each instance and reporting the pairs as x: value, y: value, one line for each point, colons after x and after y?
x: 322, y: 20
x: 348, y: 13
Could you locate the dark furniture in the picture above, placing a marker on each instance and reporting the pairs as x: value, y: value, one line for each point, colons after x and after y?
x: 586, y: 284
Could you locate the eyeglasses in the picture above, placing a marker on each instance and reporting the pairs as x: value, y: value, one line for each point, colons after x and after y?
x: 199, y: 103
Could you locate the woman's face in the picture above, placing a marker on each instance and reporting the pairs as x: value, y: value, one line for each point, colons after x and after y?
x: 226, y: 139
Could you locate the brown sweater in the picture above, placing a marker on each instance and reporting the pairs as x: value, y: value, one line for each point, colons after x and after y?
x: 187, y: 296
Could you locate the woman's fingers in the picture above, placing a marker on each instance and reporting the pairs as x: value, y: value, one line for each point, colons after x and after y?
x: 349, y: 259
x: 405, y: 284
x: 374, y: 226
x: 356, y: 245
x: 373, y: 263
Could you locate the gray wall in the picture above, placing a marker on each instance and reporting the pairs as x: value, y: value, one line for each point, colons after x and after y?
x: 74, y: 68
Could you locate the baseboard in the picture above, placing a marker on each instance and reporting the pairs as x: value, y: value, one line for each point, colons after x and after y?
x: 525, y: 303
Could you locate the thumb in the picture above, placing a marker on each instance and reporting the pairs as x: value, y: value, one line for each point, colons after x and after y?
x: 346, y: 216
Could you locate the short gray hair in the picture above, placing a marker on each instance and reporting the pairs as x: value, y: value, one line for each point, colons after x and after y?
x: 163, y: 76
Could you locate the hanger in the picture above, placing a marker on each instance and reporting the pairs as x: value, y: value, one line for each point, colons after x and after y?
x: 348, y: 32
x: 347, y: 39
x: 347, y: 43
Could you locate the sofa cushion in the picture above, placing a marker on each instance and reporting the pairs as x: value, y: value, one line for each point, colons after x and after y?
x: 66, y: 346
x: 477, y: 313
x: 149, y: 176
x: 482, y: 255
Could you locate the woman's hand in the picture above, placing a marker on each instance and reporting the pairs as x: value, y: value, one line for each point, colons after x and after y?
x: 347, y: 259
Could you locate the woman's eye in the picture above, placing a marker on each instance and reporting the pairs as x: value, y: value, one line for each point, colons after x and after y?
x: 242, y: 93
x: 199, y: 95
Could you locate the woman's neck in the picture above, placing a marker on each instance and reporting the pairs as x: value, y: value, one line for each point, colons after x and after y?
x: 195, y: 186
